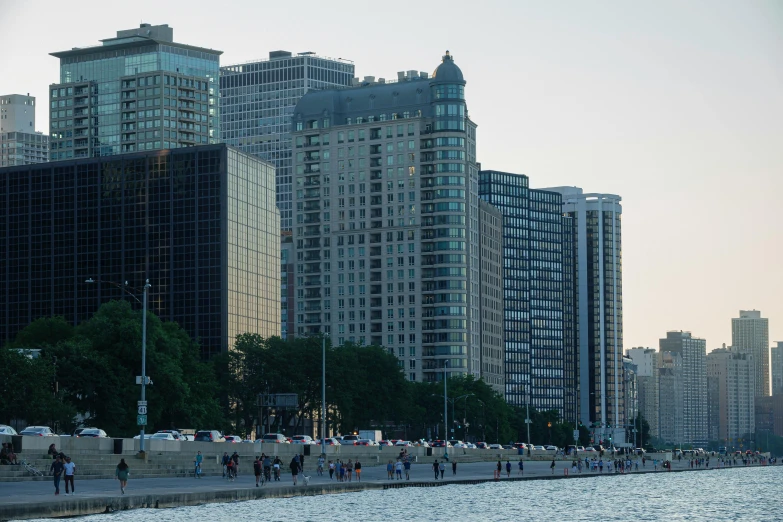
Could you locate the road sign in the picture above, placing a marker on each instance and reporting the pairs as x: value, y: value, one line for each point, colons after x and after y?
x: 142, y: 410
x: 141, y: 420
x: 576, y: 434
x: 141, y: 403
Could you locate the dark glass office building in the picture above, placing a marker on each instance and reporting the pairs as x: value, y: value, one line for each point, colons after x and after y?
x: 200, y: 223
x: 533, y: 290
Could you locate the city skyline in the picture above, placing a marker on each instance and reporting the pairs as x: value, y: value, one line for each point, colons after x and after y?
x: 606, y: 99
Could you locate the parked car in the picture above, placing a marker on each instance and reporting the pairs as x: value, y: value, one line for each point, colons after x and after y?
x: 496, y: 446
x: 38, y: 431
x: 302, y: 439
x: 639, y: 451
x: 520, y: 445
x: 365, y: 442
x: 349, y: 439
x: 275, y: 438
x: 589, y: 449
x: 162, y: 436
x: 174, y: 433
x: 551, y: 448
x: 385, y: 443
x: 482, y: 445
x: 7, y: 430
x: 440, y: 444
x: 233, y: 438
x: 454, y: 442
x: 459, y: 445
x: 93, y: 432
x: 209, y: 436
x: 78, y: 431
x: 404, y: 443
x: 329, y: 442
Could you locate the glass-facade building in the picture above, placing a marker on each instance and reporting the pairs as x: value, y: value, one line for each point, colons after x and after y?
x: 199, y: 223
x: 138, y: 91
x: 257, y: 100
x: 533, y: 248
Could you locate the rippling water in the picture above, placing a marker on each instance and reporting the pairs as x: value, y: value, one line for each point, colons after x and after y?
x: 732, y: 494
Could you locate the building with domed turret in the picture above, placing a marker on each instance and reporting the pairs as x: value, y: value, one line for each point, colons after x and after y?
x: 392, y: 246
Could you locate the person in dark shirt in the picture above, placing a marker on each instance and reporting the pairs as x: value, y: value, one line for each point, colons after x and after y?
x: 57, y: 472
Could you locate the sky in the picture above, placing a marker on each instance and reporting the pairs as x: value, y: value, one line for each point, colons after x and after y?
x: 676, y: 106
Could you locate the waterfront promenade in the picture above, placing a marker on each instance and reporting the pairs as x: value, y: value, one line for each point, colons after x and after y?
x: 36, y: 499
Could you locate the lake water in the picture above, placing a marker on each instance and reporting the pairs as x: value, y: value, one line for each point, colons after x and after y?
x: 730, y: 494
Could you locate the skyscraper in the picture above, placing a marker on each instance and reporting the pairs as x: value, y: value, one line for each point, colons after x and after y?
x: 646, y: 361
x: 387, y: 224
x: 750, y: 333
x: 735, y: 373
x: 533, y: 287
x: 776, y: 369
x: 670, y: 398
x: 694, y: 383
x: 138, y: 91
x: 199, y: 223
x: 257, y: 100
x: 593, y: 228
x: 20, y: 144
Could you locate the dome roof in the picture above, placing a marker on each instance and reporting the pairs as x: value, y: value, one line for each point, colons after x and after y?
x: 448, y: 70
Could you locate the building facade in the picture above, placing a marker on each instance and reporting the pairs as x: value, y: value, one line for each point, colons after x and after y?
x: 533, y: 288
x: 750, y: 333
x: 199, y: 223
x: 646, y: 361
x: 631, y: 401
x: 776, y: 368
x: 670, y: 398
x: 735, y: 372
x: 594, y: 222
x: 491, y: 296
x: 20, y: 144
x: 694, y: 383
x: 386, y: 220
x: 139, y: 91
x: 257, y: 100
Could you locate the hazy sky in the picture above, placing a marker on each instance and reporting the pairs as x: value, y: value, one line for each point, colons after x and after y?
x: 675, y: 106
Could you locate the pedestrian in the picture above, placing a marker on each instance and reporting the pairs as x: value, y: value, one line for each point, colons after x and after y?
x: 52, y: 451
x: 235, y: 458
x: 601, y: 466
x: 277, y: 465
x: 331, y: 470
x: 56, y: 469
x: 257, y: 469
x: 320, y: 466
x: 407, y: 466
x: 122, y: 473
x: 358, y: 468
x: 69, y: 468
x: 390, y: 470
x: 454, y: 467
x: 508, y: 469
x: 301, y: 462
x: 521, y: 467
x: 349, y: 470
x: 224, y: 461
x: 398, y: 469
x: 338, y: 470
x: 552, y: 466
x: 498, y: 470
x: 442, y: 468
x: 294, y: 468
x: 231, y: 470
x: 197, y: 463
x: 434, y: 468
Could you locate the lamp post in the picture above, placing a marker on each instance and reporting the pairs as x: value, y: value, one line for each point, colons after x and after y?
x: 124, y: 288
x: 483, y: 420
x: 445, y: 411
x: 323, y: 395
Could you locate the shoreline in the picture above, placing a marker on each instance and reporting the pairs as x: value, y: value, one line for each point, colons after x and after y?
x: 83, y: 506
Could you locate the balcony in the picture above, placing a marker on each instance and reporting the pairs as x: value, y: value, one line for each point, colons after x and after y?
x: 312, y: 230
x: 313, y: 269
x: 312, y: 206
x: 375, y: 277
x: 312, y: 243
x: 375, y: 302
x: 375, y: 289
x: 312, y: 256
x: 312, y: 193
x: 313, y: 308
x: 313, y: 282
x: 312, y: 218
x: 312, y: 182
x: 312, y: 293
x: 313, y: 156
x: 376, y: 328
x: 312, y: 168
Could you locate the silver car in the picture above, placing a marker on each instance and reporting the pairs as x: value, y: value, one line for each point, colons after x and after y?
x: 7, y: 430
x: 38, y: 431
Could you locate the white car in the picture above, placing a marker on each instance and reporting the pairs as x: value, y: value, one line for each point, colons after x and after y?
x: 162, y: 436
x: 7, y: 430
x: 470, y: 445
x: 423, y: 444
x: 496, y: 446
x: 405, y: 443
x: 233, y: 438
x: 460, y: 445
x: 539, y: 448
x: 302, y: 439
x: 589, y: 449
x: 38, y: 431
x: 550, y: 448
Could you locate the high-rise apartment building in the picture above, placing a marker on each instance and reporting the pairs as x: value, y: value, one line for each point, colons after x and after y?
x: 694, y: 383
x: 533, y: 286
x: 776, y: 369
x: 631, y: 400
x: 491, y: 297
x: 199, y: 223
x: 670, y: 398
x: 139, y: 91
x: 646, y: 361
x: 257, y: 100
x: 735, y: 372
x: 20, y: 144
x: 386, y: 224
x: 750, y: 333
x: 592, y: 224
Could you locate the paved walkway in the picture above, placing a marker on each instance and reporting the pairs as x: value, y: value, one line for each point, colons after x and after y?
x: 26, y: 492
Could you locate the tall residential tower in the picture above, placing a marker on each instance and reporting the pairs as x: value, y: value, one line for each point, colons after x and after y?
x: 694, y: 384
x: 750, y: 333
x: 776, y: 369
x: 20, y: 144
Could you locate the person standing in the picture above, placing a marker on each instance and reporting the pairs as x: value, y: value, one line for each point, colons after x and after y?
x: 277, y: 465
x: 508, y: 469
x: 390, y: 470
x: 358, y: 468
x: 552, y: 466
x: 224, y: 461
x: 349, y: 470
x: 398, y: 469
x: 453, y: 467
x: 434, y: 468
x: 407, y: 469
x: 197, y: 463
x: 331, y: 470
x: 56, y: 469
x: 301, y: 463
x: 69, y: 468
x: 441, y: 467
x: 294, y: 468
x: 498, y: 470
x: 235, y: 458
x: 257, y: 470
x: 521, y: 467
x: 122, y: 472
x: 321, y: 465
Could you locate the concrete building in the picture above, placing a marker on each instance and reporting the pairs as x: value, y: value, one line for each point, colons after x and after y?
x: 199, y: 223
x: 533, y: 285
x: 20, y: 144
x: 646, y: 361
x: 491, y: 296
x: 286, y: 284
x: 595, y: 232
x: 387, y: 224
x: 138, y: 91
x: 750, y: 333
x: 257, y: 100
x: 735, y: 372
x: 776, y: 368
x: 670, y: 398
x: 631, y: 401
x: 694, y: 383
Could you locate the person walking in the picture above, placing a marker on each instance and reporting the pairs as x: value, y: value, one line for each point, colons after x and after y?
x: 398, y: 469
x: 442, y: 468
x: 434, y: 468
x: 69, y: 468
x: 301, y: 463
x: 320, y: 470
x: 294, y: 468
x: 390, y: 470
x: 453, y: 467
x: 508, y: 469
x: 224, y: 461
x: 56, y: 469
x: 407, y: 466
x: 122, y: 473
x: 498, y: 470
x: 342, y: 471
x: 552, y: 466
x: 331, y: 470
x: 358, y: 468
x: 277, y: 465
x: 521, y: 467
x: 231, y: 470
x: 257, y: 470
x: 197, y: 464
x: 267, y: 463
x: 235, y: 458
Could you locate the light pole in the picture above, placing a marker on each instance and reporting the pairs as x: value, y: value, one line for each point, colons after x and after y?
x: 124, y: 288
x: 323, y: 395
x: 483, y: 420
x: 445, y: 411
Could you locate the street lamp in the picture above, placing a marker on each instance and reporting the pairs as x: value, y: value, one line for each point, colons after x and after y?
x: 143, y: 401
x: 445, y: 411
x: 483, y: 420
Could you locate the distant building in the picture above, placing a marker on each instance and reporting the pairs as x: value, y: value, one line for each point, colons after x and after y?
x: 138, y: 91
x: 750, y: 333
x: 646, y: 361
x: 735, y: 373
x: 286, y: 285
x: 631, y: 401
x: 199, y: 223
x: 670, y: 386
x: 20, y: 144
x: 776, y: 369
x: 694, y: 384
